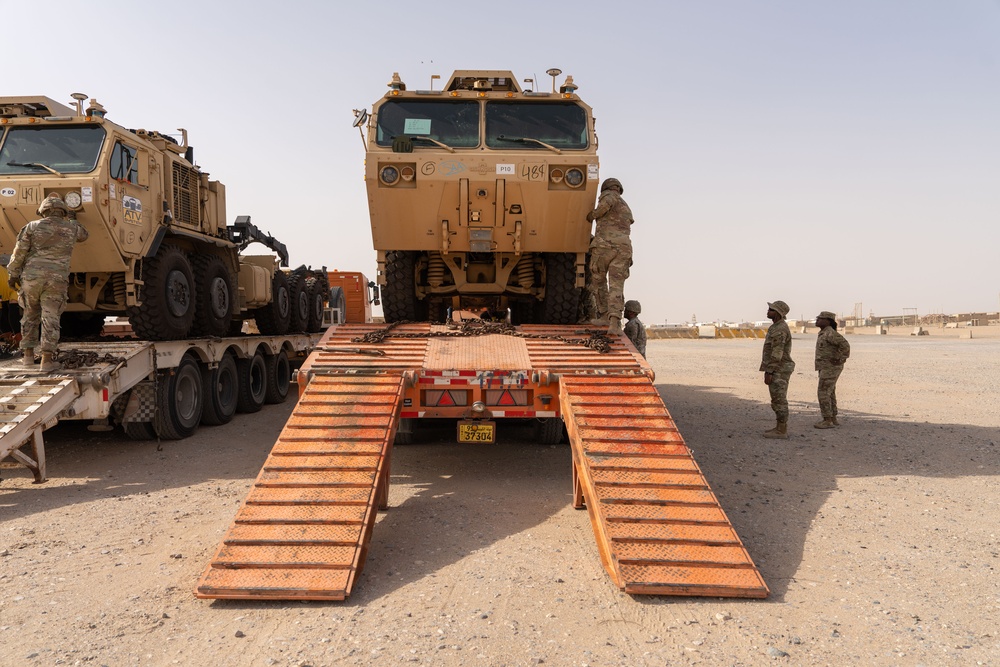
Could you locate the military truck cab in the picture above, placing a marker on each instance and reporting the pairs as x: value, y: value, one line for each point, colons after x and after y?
x: 478, y: 195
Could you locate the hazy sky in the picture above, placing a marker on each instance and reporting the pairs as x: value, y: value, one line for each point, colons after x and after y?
x: 824, y: 153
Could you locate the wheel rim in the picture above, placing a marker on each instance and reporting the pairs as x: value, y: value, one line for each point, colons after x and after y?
x: 258, y: 378
x: 178, y: 293
x: 219, y: 297
x: 187, y: 395
x: 284, y: 302
x: 225, y: 387
x: 303, y: 305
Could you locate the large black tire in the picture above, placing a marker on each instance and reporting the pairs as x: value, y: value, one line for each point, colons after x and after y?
x: 549, y: 431
x: 279, y: 377
x: 221, y: 389
x: 338, y: 302
x: 168, y: 298
x: 299, y: 296
x: 139, y: 430
x: 273, y: 319
x: 179, y: 400
x: 252, y: 383
x: 214, y: 296
x: 80, y: 325
x: 562, y: 297
x: 399, y: 296
x: 316, y: 291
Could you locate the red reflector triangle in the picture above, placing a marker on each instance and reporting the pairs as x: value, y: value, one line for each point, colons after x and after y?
x: 506, y: 398
x: 446, y: 399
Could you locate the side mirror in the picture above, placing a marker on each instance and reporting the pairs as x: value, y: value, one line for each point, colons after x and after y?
x: 360, y: 117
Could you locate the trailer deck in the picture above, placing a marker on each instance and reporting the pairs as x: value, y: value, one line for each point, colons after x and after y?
x: 305, y: 529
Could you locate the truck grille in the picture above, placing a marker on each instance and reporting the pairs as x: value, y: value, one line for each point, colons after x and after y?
x: 186, y: 182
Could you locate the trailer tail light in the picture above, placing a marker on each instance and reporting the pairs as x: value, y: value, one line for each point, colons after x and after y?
x: 506, y: 397
x: 446, y: 398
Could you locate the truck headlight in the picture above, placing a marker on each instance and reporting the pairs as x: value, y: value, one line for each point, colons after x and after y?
x: 73, y: 200
x: 389, y: 175
x: 556, y: 175
x: 574, y: 177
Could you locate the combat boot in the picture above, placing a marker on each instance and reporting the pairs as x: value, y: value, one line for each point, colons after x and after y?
x: 615, y: 326
x: 779, y: 432
x: 834, y: 420
x: 826, y: 423
x: 599, y: 322
x: 29, y: 358
x: 48, y: 364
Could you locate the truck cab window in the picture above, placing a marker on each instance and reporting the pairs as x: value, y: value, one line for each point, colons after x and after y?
x: 124, y: 163
x: 517, y: 125
x: 453, y: 123
x: 35, y: 150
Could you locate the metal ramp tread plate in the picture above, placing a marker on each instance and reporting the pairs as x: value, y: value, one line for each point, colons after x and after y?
x: 660, y: 530
x: 27, y: 407
x: 304, y: 529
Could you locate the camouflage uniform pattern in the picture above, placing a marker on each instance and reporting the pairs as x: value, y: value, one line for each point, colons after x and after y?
x: 636, y: 332
x: 610, y: 253
x: 832, y: 350
x: 40, y: 262
x: 776, y: 359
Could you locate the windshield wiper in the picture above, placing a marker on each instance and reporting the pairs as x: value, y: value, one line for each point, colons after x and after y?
x: 436, y: 142
x: 39, y: 165
x: 523, y: 140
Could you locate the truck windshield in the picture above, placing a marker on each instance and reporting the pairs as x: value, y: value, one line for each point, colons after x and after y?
x: 67, y: 150
x: 455, y: 124
x: 533, y: 125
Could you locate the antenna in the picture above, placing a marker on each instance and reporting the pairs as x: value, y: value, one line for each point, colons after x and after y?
x: 554, y: 72
x: 79, y: 97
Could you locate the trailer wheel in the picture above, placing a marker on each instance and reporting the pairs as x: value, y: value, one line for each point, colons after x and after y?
x: 139, y: 430
x: 252, y: 383
x: 221, y: 388
x: 168, y: 300
x: 399, y: 296
x: 562, y: 297
x: 279, y: 377
x: 179, y: 401
x: 273, y: 319
x: 213, y: 286
x: 315, y: 291
x: 299, y: 297
x: 404, y: 431
x: 549, y: 431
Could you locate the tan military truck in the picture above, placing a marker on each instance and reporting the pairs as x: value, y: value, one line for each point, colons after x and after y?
x: 478, y: 195
x: 160, y: 250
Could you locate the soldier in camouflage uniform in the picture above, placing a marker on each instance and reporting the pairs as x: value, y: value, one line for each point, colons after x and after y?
x: 832, y: 350
x: 777, y: 364
x: 634, y: 329
x: 40, y: 264
x: 610, y: 254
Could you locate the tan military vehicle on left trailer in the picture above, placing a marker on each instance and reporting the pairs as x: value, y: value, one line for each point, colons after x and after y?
x: 160, y: 250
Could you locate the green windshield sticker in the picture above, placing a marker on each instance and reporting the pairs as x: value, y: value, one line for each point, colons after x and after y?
x: 419, y: 126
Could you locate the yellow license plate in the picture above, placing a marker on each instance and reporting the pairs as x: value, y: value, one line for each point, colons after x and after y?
x: 477, y: 431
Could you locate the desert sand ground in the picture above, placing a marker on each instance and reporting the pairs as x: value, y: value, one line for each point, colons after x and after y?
x: 878, y: 540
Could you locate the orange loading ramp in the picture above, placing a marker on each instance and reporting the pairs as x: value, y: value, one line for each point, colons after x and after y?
x: 303, y: 532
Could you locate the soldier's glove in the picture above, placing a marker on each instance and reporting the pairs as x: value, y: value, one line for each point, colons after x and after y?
x: 13, y: 282
x: 590, y: 217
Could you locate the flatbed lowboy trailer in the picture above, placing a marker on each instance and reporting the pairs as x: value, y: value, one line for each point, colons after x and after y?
x: 305, y: 528
x: 162, y: 389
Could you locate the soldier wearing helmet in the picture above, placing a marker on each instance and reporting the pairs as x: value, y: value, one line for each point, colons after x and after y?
x: 777, y: 364
x: 610, y: 254
x: 634, y: 329
x: 832, y: 350
x: 39, y: 267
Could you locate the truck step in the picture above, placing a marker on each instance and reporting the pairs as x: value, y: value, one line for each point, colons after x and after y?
x: 660, y: 530
x: 304, y: 529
